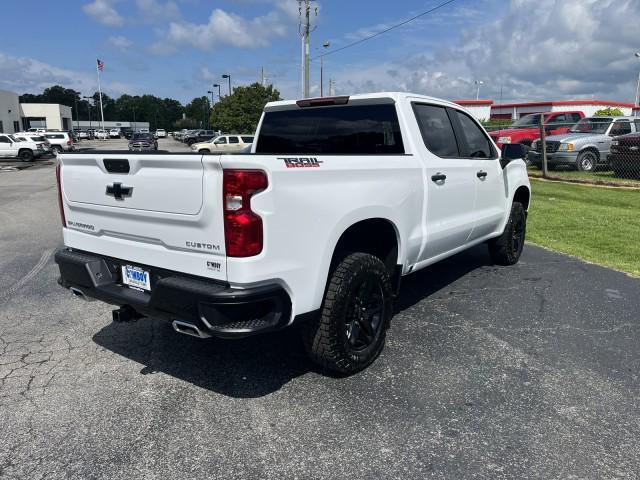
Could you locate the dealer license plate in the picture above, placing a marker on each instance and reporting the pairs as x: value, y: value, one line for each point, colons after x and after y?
x: 136, y: 277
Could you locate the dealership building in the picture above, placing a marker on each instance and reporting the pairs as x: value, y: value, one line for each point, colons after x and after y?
x: 16, y: 116
x: 487, y: 110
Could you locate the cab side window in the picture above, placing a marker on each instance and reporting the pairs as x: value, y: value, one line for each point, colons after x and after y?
x: 621, y: 128
x: 234, y: 140
x: 436, y: 129
x: 4, y: 139
x: 477, y: 142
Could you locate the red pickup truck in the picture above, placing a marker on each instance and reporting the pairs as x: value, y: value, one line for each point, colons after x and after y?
x: 527, y: 129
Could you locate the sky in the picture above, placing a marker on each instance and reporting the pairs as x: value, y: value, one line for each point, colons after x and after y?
x: 521, y: 50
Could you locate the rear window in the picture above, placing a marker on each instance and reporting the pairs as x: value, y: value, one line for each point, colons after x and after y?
x: 352, y: 129
x: 54, y: 136
x: 247, y: 139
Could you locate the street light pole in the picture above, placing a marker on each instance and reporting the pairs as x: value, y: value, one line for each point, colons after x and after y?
x: 219, y: 93
x: 227, y: 76
x: 89, y: 108
x: 326, y: 44
x: 211, y: 92
x: 478, y: 83
x: 75, y: 107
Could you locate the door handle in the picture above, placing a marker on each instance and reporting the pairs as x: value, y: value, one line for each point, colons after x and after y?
x: 438, y: 177
x: 481, y: 174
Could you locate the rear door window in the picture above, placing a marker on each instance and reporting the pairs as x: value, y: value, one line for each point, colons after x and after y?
x: 477, y: 143
x: 349, y: 129
x: 247, y: 139
x: 234, y: 140
x: 437, y: 130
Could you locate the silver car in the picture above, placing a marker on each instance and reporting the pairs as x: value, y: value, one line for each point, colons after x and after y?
x: 586, y: 145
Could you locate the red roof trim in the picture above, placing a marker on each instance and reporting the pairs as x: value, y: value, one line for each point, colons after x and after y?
x: 566, y: 103
x: 473, y: 102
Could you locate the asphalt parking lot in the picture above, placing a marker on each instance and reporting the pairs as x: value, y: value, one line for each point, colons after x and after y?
x: 530, y: 371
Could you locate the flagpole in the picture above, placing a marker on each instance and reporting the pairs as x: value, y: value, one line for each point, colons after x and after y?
x: 100, y: 93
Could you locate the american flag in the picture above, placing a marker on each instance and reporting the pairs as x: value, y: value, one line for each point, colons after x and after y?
x: 100, y: 64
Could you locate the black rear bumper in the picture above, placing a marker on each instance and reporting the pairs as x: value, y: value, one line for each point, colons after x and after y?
x: 210, y: 305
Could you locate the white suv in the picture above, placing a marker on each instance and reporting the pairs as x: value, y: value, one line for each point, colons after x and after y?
x: 60, y: 141
x: 15, y: 147
x: 114, y: 133
x: 161, y: 133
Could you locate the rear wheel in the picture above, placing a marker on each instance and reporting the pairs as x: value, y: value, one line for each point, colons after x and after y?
x: 350, y: 331
x: 507, y: 248
x: 203, y: 150
x: 587, y: 161
x: 25, y: 155
x: 56, y: 149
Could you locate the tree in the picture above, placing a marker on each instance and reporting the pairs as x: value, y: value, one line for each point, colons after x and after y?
x: 609, y: 112
x: 240, y: 111
x: 198, y: 110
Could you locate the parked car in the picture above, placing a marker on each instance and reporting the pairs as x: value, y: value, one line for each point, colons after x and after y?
x: 315, y: 228
x: 101, y: 134
x: 25, y: 150
x: 224, y: 144
x: 83, y: 135
x: 37, y: 130
x: 527, y: 129
x: 585, y: 146
x: 198, y: 136
x: 142, y: 142
x: 37, y: 138
x: 60, y: 141
x: 114, y: 133
x: 180, y: 134
x: 624, y: 156
x: 161, y: 133
x: 143, y: 130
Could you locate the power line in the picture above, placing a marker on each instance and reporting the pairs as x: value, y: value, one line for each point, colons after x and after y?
x: 331, y: 52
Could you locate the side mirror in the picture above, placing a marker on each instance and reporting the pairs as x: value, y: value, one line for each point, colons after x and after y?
x: 513, y: 151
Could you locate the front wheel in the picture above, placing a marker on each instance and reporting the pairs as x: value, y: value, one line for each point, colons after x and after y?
x: 507, y: 248
x: 350, y: 331
x: 587, y: 161
x: 56, y: 149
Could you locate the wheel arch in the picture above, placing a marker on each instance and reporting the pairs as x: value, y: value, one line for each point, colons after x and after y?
x: 523, y: 196
x: 377, y: 236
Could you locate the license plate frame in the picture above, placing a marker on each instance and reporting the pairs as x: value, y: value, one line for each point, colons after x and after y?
x: 136, y: 277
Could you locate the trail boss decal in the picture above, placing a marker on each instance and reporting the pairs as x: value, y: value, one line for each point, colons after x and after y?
x: 301, y: 162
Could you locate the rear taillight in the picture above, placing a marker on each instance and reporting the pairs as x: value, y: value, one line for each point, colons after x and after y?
x: 242, y: 226
x: 69, y: 142
x: 59, y: 183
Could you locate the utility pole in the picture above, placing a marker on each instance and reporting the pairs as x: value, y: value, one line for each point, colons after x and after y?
x: 304, y: 9
x: 262, y: 76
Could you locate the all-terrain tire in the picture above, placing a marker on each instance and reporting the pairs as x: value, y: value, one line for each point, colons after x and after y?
x: 507, y: 248
x: 329, y: 337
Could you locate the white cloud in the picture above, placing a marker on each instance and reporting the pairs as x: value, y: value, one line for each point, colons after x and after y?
x: 102, y: 11
x: 28, y: 75
x: 573, y: 49
x: 120, y: 42
x: 152, y: 11
x: 224, y: 28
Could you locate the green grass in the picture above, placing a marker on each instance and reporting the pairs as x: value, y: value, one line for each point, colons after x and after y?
x: 600, y: 225
x: 597, y: 178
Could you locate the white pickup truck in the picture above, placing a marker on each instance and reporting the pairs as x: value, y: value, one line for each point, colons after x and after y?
x: 22, y: 148
x: 339, y: 198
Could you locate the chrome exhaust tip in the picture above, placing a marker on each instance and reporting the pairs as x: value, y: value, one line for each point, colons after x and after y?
x: 76, y: 292
x: 188, y: 329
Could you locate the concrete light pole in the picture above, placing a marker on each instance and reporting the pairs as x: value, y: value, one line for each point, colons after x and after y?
x: 304, y: 9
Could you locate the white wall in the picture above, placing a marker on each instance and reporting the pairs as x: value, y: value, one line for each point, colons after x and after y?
x: 52, y: 112
x: 589, y: 110
x: 480, y: 112
x: 9, y: 111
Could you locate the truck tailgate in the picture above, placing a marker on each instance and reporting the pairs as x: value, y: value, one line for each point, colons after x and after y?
x: 163, y: 210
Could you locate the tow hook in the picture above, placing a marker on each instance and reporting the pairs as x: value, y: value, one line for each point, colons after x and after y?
x: 126, y: 313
